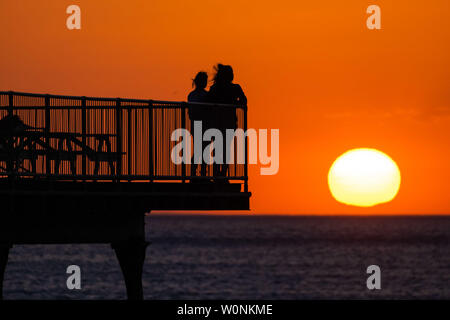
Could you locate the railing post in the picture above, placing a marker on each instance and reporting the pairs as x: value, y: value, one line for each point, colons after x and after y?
x: 11, y: 103
x: 245, y: 150
x: 150, y: 139
x: 155, y: 147
x: 48, y: 168
x: 9, y: 162
x: 183, y: 126
x: 119, y: 138
x: 129, y: 140
x: 83, y: 134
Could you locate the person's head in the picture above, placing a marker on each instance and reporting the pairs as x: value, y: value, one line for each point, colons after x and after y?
x: 201, y: 80
x: 224, y: 74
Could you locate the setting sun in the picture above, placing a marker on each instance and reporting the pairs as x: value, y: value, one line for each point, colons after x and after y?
x: 364, y: 177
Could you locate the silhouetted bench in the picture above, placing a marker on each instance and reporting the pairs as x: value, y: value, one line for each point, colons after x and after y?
x: 29, y: 145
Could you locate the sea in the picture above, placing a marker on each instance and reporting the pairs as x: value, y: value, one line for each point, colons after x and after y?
x: 251, y: 257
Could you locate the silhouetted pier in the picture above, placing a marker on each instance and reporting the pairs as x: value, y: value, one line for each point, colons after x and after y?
x: 86, y: 170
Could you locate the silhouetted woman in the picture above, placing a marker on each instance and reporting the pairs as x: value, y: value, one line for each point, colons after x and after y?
x: 199, y: 113
x: 224, y: 91
x: 199, y: 94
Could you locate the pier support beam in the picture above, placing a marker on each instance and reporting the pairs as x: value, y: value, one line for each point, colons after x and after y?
x: 4, y: 252
x: 131, y: 256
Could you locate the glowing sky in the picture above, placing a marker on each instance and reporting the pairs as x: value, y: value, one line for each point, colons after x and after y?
x: 310, y: 68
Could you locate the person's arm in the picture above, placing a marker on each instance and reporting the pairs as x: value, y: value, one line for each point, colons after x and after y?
x: 241, y: 95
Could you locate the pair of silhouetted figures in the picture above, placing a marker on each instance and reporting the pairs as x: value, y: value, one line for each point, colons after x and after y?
x: 222, y: 91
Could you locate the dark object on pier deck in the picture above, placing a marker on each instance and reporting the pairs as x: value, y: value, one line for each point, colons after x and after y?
x: 86, y: 170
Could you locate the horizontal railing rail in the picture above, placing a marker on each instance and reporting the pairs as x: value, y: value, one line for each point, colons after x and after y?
x: 109, y: 139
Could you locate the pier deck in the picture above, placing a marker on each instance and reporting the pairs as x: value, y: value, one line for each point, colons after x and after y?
x: 87, y: 170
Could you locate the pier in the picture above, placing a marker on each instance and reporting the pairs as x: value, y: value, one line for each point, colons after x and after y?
x: 88, y: 170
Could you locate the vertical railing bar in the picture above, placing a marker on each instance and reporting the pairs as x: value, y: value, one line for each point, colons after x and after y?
x: 235, y: 155
x: 119, y: 138
x: 46, y: 133
x: 150, y: 139
x: 11, y: 103
x: 129, y: 140
x: 155, y: 123
x: 9, y: 163
x: 136, y: 143
x: 83, y: 135
x: 245, y: 150
x: 183, y: 126
x: 142, y: 143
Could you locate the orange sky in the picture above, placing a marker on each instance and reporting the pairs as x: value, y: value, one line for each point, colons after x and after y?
x: 310, y: 68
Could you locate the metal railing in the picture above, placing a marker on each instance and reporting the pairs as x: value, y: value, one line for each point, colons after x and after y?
x: 108, y: 139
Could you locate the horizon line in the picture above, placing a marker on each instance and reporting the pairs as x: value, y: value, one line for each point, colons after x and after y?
x: 239, y: 214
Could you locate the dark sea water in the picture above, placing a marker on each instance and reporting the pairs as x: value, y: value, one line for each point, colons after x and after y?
x: 214, y: 257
